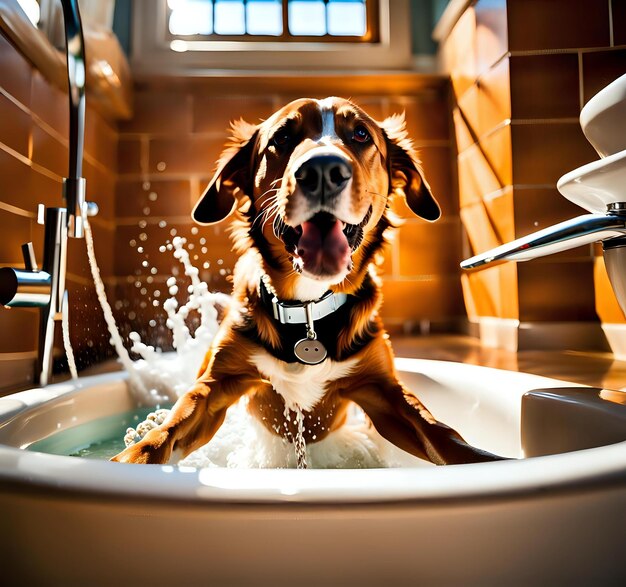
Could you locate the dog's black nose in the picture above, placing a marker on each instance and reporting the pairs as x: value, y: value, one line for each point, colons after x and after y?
x: 323, y: 176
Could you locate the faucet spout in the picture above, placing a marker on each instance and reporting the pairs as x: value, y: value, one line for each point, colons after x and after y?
x: 74, y: 184
x: 578, y: 231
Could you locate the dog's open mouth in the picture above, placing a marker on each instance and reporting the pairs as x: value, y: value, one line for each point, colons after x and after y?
x: 323, y: 244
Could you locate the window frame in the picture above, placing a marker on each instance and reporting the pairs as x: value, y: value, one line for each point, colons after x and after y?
x: 371, y: 34
x: 152, y: 55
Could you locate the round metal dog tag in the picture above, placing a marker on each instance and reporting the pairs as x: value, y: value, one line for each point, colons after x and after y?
x: 310, y: 351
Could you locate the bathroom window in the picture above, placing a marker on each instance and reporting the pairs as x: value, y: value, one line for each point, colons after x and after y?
x: 284, y: 20
x: 179, y: 36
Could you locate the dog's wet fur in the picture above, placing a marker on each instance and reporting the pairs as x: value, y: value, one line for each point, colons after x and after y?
x: 308, y: 191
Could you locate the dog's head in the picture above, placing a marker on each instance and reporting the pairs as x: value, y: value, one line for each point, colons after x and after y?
x: 317, y: 174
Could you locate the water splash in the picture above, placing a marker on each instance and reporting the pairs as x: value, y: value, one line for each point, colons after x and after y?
x: 65, y: 332
x: 242, y: 441
x: 116, y: 339
x: 298, y: 442
x: 167, y: 376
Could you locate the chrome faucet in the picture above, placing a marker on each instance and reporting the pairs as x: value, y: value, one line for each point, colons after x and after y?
x: 45, y: 288
x: 74, y: 185
x: 599, y: 187
x: 610, y: 228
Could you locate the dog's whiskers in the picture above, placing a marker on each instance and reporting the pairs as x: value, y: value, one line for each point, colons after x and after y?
x: 270, y: 204
x: 271, y: 199
x: 270, y: 211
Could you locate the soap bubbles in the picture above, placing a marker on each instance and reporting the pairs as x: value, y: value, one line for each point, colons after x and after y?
x: 167, y: 380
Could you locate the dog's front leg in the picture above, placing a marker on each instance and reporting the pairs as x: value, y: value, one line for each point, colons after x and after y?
x: 192, y: 422
x: 403, y: 420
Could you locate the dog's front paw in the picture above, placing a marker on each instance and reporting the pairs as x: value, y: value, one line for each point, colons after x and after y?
x: 151, y: 451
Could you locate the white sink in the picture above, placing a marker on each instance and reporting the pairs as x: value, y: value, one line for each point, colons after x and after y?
x: 603, y: 119
x: 596, y: 185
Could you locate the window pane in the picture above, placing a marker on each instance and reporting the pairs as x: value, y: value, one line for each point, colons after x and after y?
x: 307, y: 18
x: 191, y: 17
x: 347, y: 17
x: 230, y: 17
x: 265, y: 17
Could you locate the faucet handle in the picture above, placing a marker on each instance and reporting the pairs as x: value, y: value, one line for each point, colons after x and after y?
x: 92, y: 208
x: 28, y: 252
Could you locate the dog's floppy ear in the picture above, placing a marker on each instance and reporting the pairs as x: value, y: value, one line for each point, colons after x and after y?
x: 233, y: 175
x: 405, y: 170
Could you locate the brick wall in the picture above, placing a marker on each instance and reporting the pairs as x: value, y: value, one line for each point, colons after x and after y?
x: 146, y: 174
x: 167, y: 155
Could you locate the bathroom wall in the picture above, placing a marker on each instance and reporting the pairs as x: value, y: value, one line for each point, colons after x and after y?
x: 521, y: 70
x: 167, y: 155
x: 146, y: 174
x: 33, y: 159
x: 516, y: 91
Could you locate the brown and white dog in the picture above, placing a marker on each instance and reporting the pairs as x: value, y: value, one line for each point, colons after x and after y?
x: 311, y: 188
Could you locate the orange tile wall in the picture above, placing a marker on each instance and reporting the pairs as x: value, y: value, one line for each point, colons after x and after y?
x: 521, y: 70
x: 33, y: 160
x: 146, y: 174
x: 167, y: 154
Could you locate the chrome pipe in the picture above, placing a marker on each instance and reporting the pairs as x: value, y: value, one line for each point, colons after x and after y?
x: 45, y: 288
x: 54, y: 263
x: 576, y: 232
x: 55, y: 256
x: 31, y: 287
x: 21, y: 288
x: 74, y: 195
x: 74, y: 184
x: 43, y: 369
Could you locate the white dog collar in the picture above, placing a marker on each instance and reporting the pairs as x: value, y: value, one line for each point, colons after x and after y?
x: 296, y: 312
x: 309, y: 350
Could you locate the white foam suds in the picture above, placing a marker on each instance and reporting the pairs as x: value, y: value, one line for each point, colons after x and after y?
x: 166, y: 376
x: 242, y: 441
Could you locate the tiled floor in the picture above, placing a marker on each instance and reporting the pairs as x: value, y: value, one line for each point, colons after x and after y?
x: 596, y: 369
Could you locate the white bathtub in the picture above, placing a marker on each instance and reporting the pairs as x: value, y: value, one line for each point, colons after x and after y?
x: 549, y: 520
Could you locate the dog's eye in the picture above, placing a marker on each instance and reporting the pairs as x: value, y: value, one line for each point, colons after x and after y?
x: 360, y: 134
x: 281, y: 138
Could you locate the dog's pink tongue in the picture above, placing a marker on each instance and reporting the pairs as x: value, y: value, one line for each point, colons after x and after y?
x: 323, y: 254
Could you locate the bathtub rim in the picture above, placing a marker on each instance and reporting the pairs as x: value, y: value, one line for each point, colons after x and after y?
x: 547, y: 474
